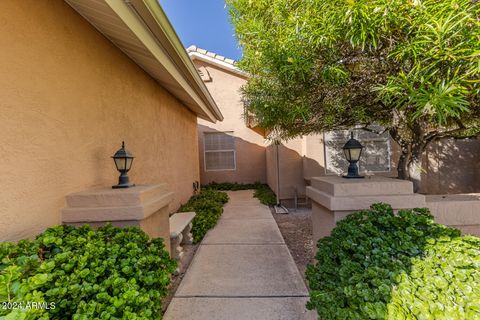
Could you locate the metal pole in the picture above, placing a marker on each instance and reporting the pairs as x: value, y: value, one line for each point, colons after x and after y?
x: 278, y: 173
x: 278, y: 207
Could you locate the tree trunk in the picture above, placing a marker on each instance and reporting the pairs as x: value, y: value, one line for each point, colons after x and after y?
x: 415, y: 170
x: 402, y: 166
x: 410, y: 161
x: 410, y: 166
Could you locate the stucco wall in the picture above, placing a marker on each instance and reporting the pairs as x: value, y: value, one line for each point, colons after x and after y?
x: 461, y: 211
x: 313, y: 156
x: 68, y: 99
x: 450, y: 166
x: 290, y: 162
x: 250, y: 145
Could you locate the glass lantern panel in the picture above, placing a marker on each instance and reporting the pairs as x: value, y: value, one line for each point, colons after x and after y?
x: 355, y: 154
x: 347, y: 154
x: 120, y: 163
x: 128, y: 163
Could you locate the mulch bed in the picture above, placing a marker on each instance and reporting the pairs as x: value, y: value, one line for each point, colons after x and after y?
x: 296, y: 229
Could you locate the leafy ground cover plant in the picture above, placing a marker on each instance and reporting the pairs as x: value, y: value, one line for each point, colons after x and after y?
x: 80, y: 273
x: 377, y: 265
x: 208, y: 206
x: 262, y: 191
x: 265, y: 195
x: 229, y: 186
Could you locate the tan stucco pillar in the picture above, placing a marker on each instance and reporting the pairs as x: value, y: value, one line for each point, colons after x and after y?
x: 144, y: 206
x: 333, y: 198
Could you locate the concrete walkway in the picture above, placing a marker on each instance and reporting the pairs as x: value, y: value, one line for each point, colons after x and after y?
x: 242, y: 270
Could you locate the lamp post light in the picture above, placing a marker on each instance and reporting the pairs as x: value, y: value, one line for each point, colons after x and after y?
x: 352, y: 150
x: 123, y: 161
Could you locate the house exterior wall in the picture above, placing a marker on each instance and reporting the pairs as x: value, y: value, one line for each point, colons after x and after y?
x: 249, y: 145
x: 290, y: 163
x: 450, y: 166
x: 68, y: 99
x: 313, y: 156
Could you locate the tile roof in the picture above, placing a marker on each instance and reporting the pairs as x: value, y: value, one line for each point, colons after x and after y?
x: 210, y: 54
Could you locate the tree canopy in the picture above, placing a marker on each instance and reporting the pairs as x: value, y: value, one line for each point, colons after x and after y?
x: 410, y: 66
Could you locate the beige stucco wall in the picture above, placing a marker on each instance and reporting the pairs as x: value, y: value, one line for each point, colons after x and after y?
x: 313, y: 156
x: 68, y: 99
x: 461, y: 211
x: 450, y: 166
x: 290, y: 162
x: 300, y: 159
x: 249, y: 144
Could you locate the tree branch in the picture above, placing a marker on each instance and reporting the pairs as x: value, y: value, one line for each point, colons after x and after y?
x: 454, y: 133
x: 366, y: 128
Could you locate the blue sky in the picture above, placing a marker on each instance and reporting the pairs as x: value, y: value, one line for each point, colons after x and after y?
x: 204, y: 23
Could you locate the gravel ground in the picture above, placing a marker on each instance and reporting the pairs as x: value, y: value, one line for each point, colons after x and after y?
x: 296, y: 229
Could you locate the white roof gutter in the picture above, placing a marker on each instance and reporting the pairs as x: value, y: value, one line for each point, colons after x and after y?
x: 222, y: 64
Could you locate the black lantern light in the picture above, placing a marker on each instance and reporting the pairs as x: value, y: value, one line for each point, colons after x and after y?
x: 352, y: 150
x: 123, y: 161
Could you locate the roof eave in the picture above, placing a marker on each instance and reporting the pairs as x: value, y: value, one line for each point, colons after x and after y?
x: 220, y: 64
x: 134, y: 25
x: 162, y: 27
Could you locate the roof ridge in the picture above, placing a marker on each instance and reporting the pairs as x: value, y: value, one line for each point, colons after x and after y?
x: 194, y: 48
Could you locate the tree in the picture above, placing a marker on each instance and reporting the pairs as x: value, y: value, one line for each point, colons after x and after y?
x: 317, y: 65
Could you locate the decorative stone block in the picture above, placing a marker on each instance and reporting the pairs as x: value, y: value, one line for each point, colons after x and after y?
x: 176, y: 248
x: 180, y: 232
x: 145, y: 206
x: 334, y: 198
x: 187, y: 234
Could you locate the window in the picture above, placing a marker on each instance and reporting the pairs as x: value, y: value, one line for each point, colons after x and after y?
x: 375, y: 155
x: 219, y: 151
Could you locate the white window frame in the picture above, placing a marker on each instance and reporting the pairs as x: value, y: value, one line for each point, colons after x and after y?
x: 389, y: 154
x: 205, y: 151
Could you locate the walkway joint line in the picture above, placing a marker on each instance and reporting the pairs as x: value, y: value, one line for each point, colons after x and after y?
x: 242, y: 297
x: 242, y: 270
x: 244, y: 244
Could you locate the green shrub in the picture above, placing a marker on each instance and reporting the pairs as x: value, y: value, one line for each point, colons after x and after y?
x: 208, y: 206
x: 377, y: 265
x: 211, y: 195
x: 262, y: 191
x: 228, y: 186
x: 110, y: 273
x: 265, y: 195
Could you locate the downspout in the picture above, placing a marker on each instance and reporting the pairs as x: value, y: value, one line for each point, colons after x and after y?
x: 278, y: 207
x: 278, y: 172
